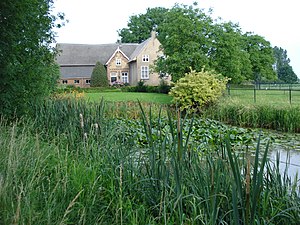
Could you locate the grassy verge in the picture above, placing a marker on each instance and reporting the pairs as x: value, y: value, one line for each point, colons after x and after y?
x: 75, y: 164
x: 129, y: 97
x: 271, y: 110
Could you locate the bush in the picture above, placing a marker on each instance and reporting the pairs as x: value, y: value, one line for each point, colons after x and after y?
x: 99, y: 76
x: 163, y: 87
x: 198, y: 89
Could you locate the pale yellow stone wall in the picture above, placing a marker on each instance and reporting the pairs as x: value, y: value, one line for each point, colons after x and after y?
x: 153, y: 50
x: 118, y: 69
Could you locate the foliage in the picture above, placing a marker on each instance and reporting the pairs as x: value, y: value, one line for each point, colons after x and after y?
x: 27, y: 68
x: 140, y: 26
x: 266, y: 116
x: 261, y: 57
x: 76, y: 164
x: 190, y: 38
x: 226, y: 55
x: 185, y: 38
x: 163, y: 87
x: 282, y: 66
x: 198, y: 89
x: 99, y: 76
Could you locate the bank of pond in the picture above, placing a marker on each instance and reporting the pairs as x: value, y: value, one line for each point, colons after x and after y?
x: 75, y: 162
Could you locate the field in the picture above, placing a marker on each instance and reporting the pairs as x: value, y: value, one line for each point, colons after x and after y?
x: 280, y: 98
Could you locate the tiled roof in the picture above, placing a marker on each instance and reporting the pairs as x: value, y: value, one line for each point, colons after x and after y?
x: 86, y: 54
x: 76, y: 71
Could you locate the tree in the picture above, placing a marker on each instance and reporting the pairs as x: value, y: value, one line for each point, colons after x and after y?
x: 191, y: 39
x: 282, y: 66
x: 227, y: 55
x: 99, y: 76
x: 185, y: 38
x: 27, y: 60
x: 140, y: 26
x: 261, y: 57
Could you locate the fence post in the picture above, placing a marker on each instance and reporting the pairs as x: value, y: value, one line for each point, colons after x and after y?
x: 290, y: 95
x: 228, y: 89
x: 254, y: 94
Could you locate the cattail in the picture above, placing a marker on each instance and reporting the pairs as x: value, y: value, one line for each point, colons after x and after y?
x: 81, y: 120
x: 96, y: 126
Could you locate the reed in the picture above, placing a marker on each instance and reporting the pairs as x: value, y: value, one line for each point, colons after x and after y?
x: 61, y: 168
x: 285, y: 119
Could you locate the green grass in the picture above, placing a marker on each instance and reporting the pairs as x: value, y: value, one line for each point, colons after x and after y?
x: 278, y: 98
x: 129, y: 97
x: 271, y: 110
x: 62, y: 169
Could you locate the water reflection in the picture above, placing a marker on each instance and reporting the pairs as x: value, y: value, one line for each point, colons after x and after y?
x: 287, y: 148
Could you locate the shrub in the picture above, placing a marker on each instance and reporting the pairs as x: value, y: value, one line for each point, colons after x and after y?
x: 198, y: 89
x: 163, y: 87
x: 99, y: 76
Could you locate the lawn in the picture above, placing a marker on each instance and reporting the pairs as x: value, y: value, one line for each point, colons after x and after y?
x: 129, y: 96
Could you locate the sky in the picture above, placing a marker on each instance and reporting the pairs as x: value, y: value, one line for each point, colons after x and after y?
x: 97, y: 22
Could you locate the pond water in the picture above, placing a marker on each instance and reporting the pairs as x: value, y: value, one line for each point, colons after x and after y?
x: 287, y: 148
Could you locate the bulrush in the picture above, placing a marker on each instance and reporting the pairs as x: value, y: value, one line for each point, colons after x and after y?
x: 81, y: 120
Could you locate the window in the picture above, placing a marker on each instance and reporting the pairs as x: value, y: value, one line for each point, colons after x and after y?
x: 145, y: 58
x: 113, y: 77
x: 118, y: 62
x: 87, y: 81
x: 64, y: 81
x: 125, y: 77
x: 144, y: 72
x: 76, y: 81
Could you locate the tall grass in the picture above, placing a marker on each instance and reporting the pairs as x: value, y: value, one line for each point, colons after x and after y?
x: 285, y: 119
x: 60, y: 168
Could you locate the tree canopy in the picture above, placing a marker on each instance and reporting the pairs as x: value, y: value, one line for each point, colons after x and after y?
x: 140, y: 26
x: 191, y: 39
x: 27, y: 66
x: 282, y: 66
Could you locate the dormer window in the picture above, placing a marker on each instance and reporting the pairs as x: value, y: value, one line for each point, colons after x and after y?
x: 118, y: 62
x: 145, y: 58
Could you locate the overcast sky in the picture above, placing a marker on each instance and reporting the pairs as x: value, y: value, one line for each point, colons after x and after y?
x: 97, y: 22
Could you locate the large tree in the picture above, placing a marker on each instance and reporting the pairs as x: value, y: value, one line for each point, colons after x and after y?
x: 282, y: 66
x: 227, y: 55
x: 140, y: 26
x: 185, y: 37
x: 261, y: 57
x: 191, y: 39
x: 27, y: 67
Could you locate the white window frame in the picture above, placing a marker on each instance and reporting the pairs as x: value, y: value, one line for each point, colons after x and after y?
x: 144, y: 72
x: 88, y: 81
x: 64, y: 81
x: 113, y: 75
x: 118, y: 62
x: 76, y: 81
x: 125, y: 77
x: 145, y: 58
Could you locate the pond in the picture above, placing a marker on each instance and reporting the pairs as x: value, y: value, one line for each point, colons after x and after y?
x: 287, y: 148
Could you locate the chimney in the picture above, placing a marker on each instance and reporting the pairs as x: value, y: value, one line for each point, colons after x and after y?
x: 153, y: 34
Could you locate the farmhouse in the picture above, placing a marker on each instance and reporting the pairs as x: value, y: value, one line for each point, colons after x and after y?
x: 125, y: 63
